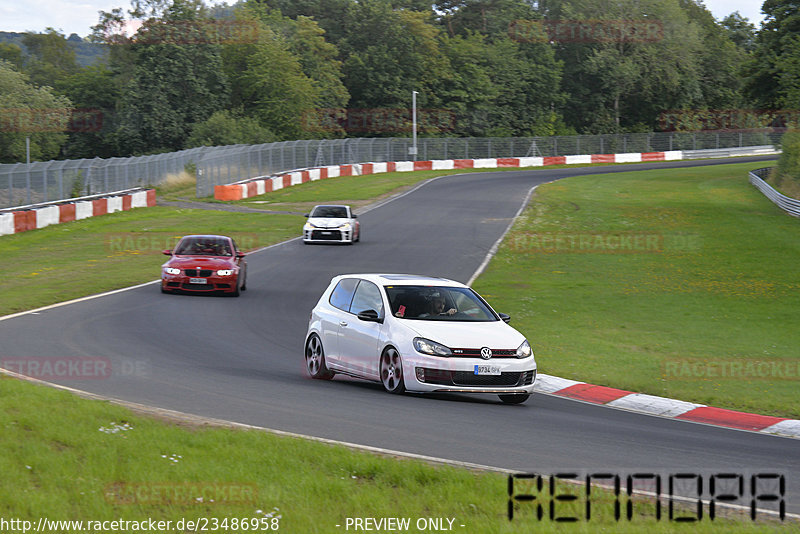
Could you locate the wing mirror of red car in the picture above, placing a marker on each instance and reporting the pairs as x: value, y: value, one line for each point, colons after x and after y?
x: 167, y: 252
x: 240, y: 254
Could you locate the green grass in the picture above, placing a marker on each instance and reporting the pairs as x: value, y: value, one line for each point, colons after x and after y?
x: 720, y: 287
x: 97, y: 461
x: 80, y: 258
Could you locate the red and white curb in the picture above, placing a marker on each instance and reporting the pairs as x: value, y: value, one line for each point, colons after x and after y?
x: 665, y: 407
x: 259, y: 186
x: 14, y: 222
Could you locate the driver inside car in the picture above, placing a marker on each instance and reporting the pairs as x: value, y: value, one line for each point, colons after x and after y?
x: 437, y: 307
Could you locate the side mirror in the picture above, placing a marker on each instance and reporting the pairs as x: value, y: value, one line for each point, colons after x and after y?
x: 240, y: 254
x: 504, y: 317
x: 167, y: 252
x: 355, y: 216
x: 370, y: 315
x: 306, y: 215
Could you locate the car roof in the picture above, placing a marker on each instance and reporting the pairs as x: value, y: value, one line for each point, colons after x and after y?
x: 331, y: 206
x: 206, y: 236
x: 402, y: 279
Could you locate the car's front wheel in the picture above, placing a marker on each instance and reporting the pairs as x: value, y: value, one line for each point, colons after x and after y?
x: 392, y: 371
x: 315, y: 359
x: 514, y: 399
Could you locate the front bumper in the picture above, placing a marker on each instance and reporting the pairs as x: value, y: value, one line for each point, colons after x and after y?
x: 327, y: 235
x: 431, y: 374
x: 215, y: 283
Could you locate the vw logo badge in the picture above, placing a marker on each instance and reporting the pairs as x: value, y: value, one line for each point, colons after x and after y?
x: 486, y: 353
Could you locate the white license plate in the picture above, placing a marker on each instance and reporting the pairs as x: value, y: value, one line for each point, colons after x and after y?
x: 198, y: 280
x: 326, y: 233
x: 487, y: 370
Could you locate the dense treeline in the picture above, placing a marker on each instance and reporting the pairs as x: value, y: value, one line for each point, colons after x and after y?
x: 268, y: 70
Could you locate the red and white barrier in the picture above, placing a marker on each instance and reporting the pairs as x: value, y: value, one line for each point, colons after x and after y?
x: 239, y: 191
x: 14, y: 222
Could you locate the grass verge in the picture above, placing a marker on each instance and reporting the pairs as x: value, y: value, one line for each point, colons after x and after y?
x: 101, y: 462
x: 679, y: 283
x: 80, y: 258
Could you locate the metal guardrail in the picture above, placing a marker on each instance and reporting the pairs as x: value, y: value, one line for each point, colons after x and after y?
x: 764, y: 150
x: 787, y: 204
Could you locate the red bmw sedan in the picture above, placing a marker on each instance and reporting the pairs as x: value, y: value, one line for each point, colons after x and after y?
x: 204, y: 264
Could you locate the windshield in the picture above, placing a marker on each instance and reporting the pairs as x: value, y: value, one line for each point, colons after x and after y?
x: 331, y: 212
x: 203, y: 246
x: 430, y: 303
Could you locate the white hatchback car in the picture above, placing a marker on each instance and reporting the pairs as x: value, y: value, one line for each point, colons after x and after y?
x: 332, y: 224
x: 417, y: 333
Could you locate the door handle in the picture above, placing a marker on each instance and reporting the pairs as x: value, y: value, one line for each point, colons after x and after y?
x: 342, y: 323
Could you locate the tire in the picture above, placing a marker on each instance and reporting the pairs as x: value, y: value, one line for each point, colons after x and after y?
x: 236, y: 288
x: 315, y: 359
x: 358, y: 239
x: 244, y: 283
x: 391, y: 369
x: 514, y: 399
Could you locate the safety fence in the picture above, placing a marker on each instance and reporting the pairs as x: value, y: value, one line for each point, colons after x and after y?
x: 55, y: 180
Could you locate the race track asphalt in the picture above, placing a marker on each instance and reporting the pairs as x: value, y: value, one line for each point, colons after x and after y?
x: 241, y: 359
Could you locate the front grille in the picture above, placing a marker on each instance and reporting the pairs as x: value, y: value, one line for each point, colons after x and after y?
x: 468, y: 378
x: 476, y: 353
x: 198, y: 272
x: 198, y: 287
x: 334, y: 235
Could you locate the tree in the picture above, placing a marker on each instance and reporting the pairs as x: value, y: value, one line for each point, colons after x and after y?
x: 229, y: 128
x: 12, y: 54
x: 94, y: 92
x: 33, y: 112
x: 741, y: 31
x: 178, y: 80
x: 51, y: 58
x: 771, y: 78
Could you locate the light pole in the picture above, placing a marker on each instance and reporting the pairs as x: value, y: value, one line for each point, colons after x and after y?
x: 413, y: 149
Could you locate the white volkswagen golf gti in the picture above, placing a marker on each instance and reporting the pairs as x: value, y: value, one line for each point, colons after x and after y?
x: 417, y: 333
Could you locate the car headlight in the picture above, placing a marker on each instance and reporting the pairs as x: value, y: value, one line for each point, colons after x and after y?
x: 225, y: 272
x: 426, y: 346
x: 345, y: 226
x: 524, y: 350
x: 308, y: 226
x: 172, y: 270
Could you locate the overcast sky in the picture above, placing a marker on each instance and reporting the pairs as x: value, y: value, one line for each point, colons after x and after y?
x: 77, y: 16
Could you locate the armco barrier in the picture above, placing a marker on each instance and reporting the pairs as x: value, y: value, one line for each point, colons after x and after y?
x: 787, y: 204
x: 259, y: 186
x: 25, y: 218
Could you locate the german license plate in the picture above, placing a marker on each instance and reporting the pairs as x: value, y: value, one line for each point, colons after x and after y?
x: 198, y: 280
x: 487, y: 370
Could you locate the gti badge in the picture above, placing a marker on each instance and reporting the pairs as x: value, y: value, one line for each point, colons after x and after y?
x: 486, y: 353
